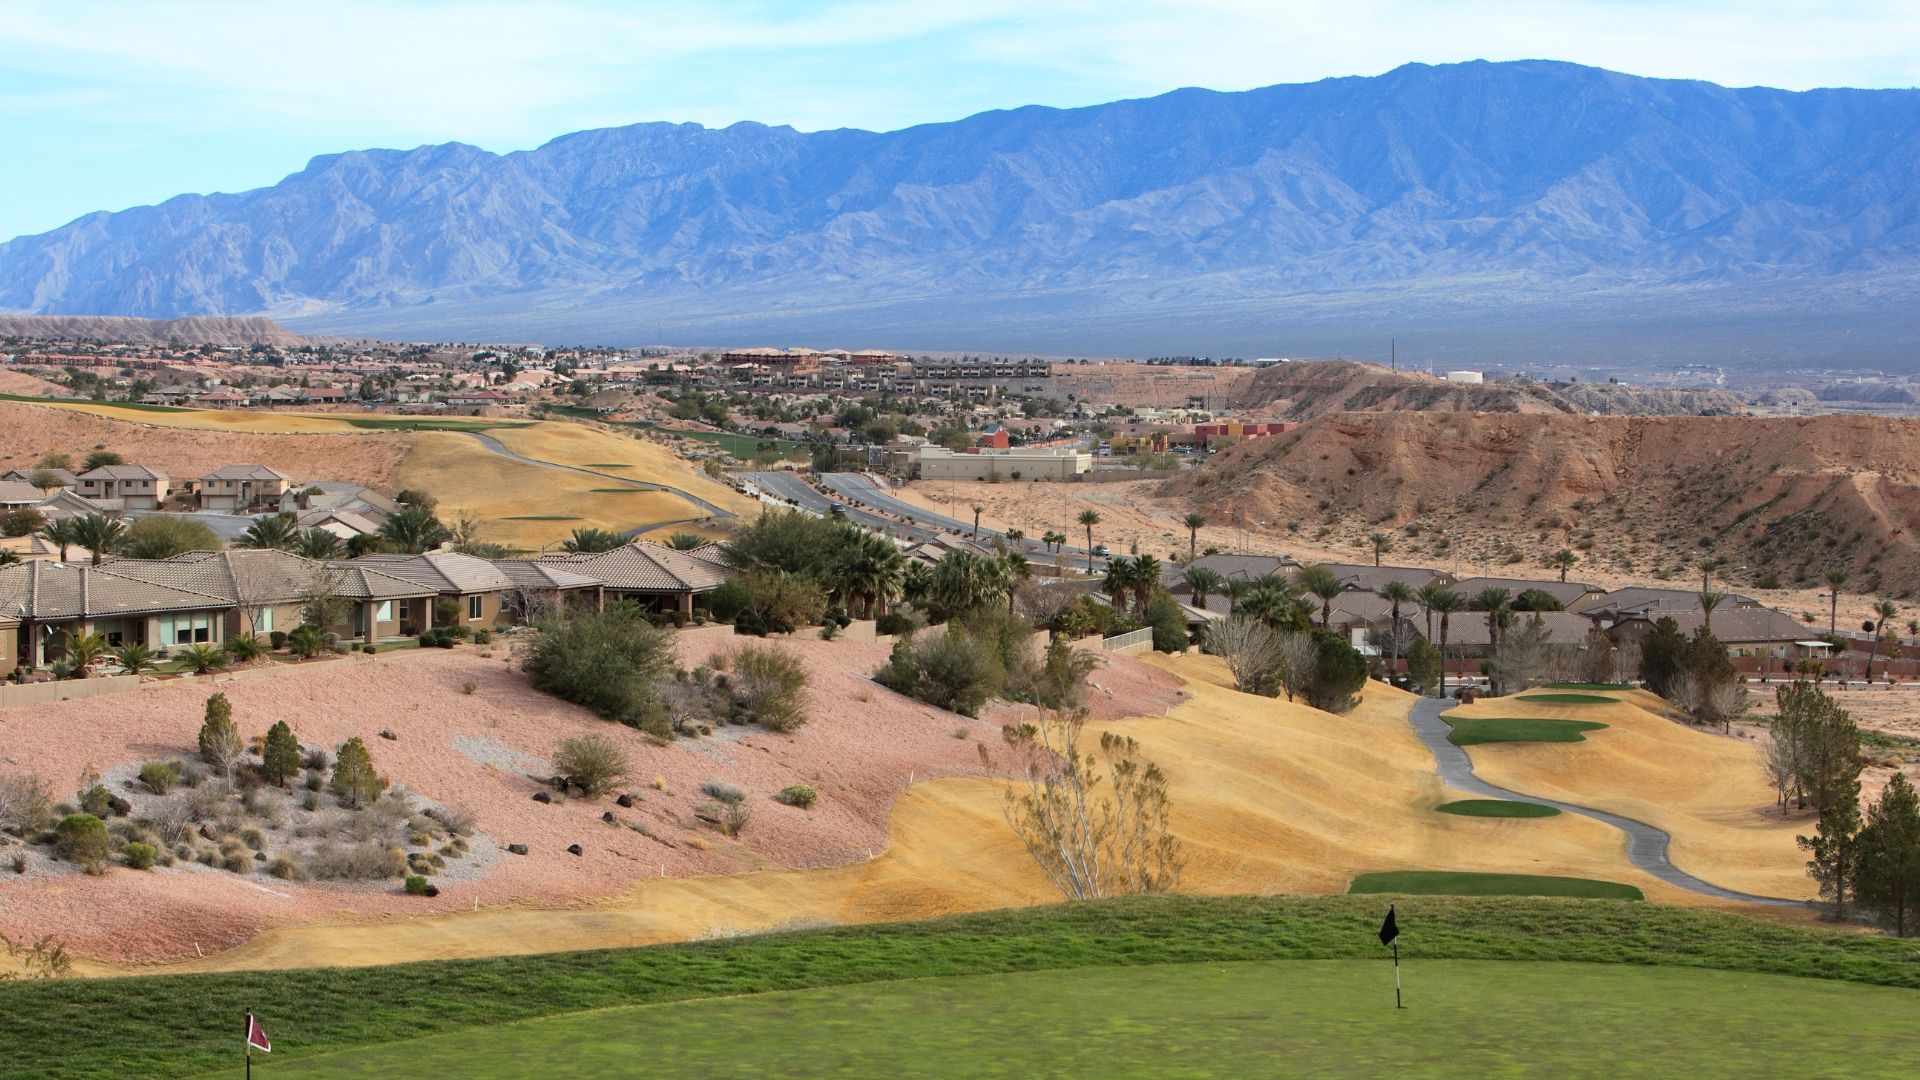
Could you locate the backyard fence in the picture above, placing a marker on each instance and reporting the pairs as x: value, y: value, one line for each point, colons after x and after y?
x: 1130, y: 641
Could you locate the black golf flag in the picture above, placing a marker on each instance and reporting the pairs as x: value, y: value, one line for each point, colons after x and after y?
x: 1389, y: 929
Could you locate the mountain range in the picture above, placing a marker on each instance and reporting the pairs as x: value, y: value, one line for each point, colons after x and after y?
x: 1530, y: 214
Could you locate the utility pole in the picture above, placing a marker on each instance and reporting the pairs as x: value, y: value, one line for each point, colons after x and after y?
x: 1393, y: 350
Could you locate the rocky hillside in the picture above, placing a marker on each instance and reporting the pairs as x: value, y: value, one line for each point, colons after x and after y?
x: 193, y: 330
x: 1788, y: 496
x: 1303, y: 390
x: 1485, y: 185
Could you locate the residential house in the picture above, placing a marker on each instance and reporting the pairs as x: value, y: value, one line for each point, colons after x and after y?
x: 473, y: 399
x: 541, y: 586
x: 472, y: 592
x: 136, y: 486
x: 1570, y: 594
x: 242, y: 487
x: 1366, y: 577
x: 1635, y: 600
x: 18, y: 495
x: 66, y: 478
x: 656, y: 577
x: 1747, y: 631
x: 52, y: 600
x: 356, y: 499
x: 1229, y: 566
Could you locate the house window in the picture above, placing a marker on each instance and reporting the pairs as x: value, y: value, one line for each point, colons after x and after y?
x: 384, y: 613
x: 475, y: 605
x: 186, y: 628
x: 263, y: 621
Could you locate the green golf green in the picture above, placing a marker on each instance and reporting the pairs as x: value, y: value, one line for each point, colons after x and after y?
x: 1569, y: 699
x: 1321, y: 1018
x: 1500, y: 808
x: 1472, y: 731
x: 1588, y: 686
x: 1460, y: 883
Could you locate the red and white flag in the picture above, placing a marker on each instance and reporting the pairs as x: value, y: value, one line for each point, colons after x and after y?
x: 257, y: 1037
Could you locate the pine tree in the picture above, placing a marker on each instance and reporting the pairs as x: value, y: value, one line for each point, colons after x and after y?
x: 220, y: 744
x: 1887, y: 881
x: 1835, y: 847
x: 280, y: 758
x: 354, y: 780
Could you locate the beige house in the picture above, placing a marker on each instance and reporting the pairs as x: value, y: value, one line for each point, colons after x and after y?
x: 241, y: 487
x: 52, y: 600
x: 658, y: 578
x: 472, y: 592
x: 136, y: 486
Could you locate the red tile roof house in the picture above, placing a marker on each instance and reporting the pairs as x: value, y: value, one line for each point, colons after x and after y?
x: 138, y: 487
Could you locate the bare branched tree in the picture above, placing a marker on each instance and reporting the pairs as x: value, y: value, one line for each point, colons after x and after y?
x: 1251, y: 650
x: 1725, y: 701
x: 1685, y: 693
x: 1522, y: 658
x: 1095, y: 821
x: 1783, y: 764
x: 1293, y: 667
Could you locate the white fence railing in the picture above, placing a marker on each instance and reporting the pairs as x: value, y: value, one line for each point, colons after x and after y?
x: 1142, y: 636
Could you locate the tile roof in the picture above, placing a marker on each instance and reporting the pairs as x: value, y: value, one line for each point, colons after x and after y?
x: 1637, y: 599
x: 1231, y: 567
x: 364, y: 583
x: 1567, y: 592
x: 1741, y: 624
x: 542, y: 574
x: 1469, y: 628
x: 1370, y: 578
x: 122, y: 472
x: 443, y: 571
x: 246, y: 472
x: 15, y: 492
x: 645, y: 567
x: 66, y: 475
x: 43, y: 590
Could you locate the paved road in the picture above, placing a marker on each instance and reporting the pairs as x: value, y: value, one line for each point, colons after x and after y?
x: 860, y: 487
x: 794, y: 488
x: 1646, y: 845
x: 496, y: 446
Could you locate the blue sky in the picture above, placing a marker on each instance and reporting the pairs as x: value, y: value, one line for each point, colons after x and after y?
x: 105, y: 105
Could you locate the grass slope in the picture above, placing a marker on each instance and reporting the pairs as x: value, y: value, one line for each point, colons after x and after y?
x: 1455, y: 883
x: 1568, y: 699
x: 1496, y: 808
x: 1588, y: 686
x: 1324, y: 1018
x: 1473, y: 731
x: 163, y: 1026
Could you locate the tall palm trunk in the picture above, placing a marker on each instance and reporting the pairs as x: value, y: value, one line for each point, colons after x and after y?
x: 1443, y: 656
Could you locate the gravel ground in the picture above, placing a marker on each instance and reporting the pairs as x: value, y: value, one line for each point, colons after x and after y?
x: 862, y: 748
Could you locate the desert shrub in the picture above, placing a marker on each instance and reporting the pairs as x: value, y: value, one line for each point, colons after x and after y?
x: 957, y: 670
x: 771, y: 684
x: 1168, y: 621
x: 83, y: 839
x: 592, y: 763
x: 96, y: 800
x: 457, y: 820
x: 731, y: 811
x: 893, y: 624
x: 1339, y: 671
x: 354, y: 780
x: 277, y: 639
x: 160, y: 776
x: 306, y: 642
x: 800, y: 795
x: 280, y: 755
x: 368, y: 650
x: 139, y: 856
x: 26, y: 803
x: 483, y: 637
x: 283, y: 867
x: 367, y: 860
x: 606, y: 661
x: 416, y: 885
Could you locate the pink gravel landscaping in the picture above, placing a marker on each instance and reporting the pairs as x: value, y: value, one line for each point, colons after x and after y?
x: 863, y: 746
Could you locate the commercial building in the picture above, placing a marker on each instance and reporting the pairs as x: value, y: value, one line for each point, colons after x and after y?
x: 1018, y: 463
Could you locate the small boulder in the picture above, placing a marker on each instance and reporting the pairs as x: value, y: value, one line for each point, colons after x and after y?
x: 608, y: 818
x: 517, y: 849
x: 432, y: 890
x: 541, y: 796
x: 385, y: 734
x: 624, y: 801
x: 119, y: 806
x: 575, y: 849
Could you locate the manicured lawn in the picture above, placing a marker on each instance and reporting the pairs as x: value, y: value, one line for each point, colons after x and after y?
x: 1454, y: 883
x: 165, y: 1026
x: 1261, y: 1018
x: 1588, y: 686
x: 132, y: 406
x: 1500, y: 808
x: 1569, y: 699
x: 1472, y: 731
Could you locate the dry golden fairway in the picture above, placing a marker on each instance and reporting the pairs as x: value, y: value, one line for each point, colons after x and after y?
x: 593, y: 448
x: 1270, y: 798
x: 1708, y: 790
x: 469, y: 479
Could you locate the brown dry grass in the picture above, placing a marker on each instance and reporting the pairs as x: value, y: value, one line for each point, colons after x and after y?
x: 1270, y: 798
x: 1708, y: 790
x: 588, y: 447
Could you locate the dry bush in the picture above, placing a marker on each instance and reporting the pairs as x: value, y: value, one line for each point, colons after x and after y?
x: 772, y: 686
x: 367, y: 860
x: 455, y: 819
x: 592, y: 763
x: 26, y: 804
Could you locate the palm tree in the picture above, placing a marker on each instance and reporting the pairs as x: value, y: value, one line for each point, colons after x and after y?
x: 318, y: 545
x: 916, y: 582
x: 1051, y: 539
x: 1272, y: 604
x: 413, y: 530
x: 977, y: 510
x: 1382, y: 543
x: 686, y: 541
x: 1885, y: 610
x: 1089, y: 518
x: 202, y: 658
x: 1836, y: 577
x: 1014, y: 536
x: 871, y: 570
x: 1324, y: 584
x: 1709, y: 600
x: 1194, y: 523
x: 1204, y: 582
x: 1447, y: 603
x: 364, y: 544
x: 280, y: 532
x: 1563, y: 561
x: 1426, y: 594
x: 82, y: 651
x: 99, y: 534
x: 1013, y: 569
x: 592, y: 541
x: 963, y: 581
x: 60, y: 532
x: 134, y: 658
x: 1395, y: 593
x: 1496, y: 602
x: 1236, y: 589
x: 1118, y: 584
x: 1708, y: 564
x: 8, y: 556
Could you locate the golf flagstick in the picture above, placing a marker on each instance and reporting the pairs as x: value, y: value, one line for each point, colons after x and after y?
x: 1389, y: 934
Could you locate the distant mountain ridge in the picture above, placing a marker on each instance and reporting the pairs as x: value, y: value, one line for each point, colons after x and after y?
x: 1518, y: 180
